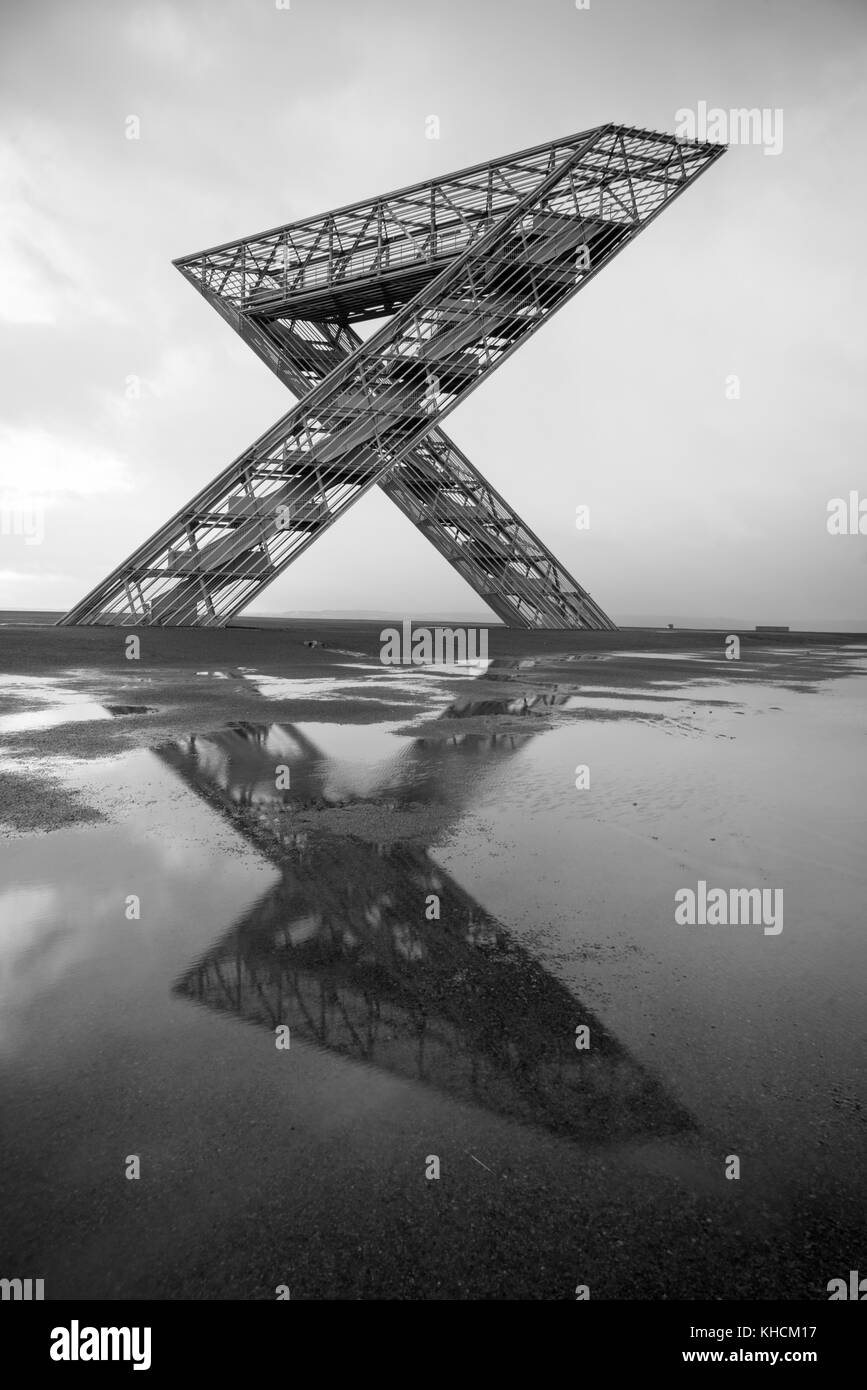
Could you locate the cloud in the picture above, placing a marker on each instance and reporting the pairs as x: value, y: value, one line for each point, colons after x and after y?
x: 45, y: 276
x: 34, y: 463
x: 157, y: 32
x: 20, y: 577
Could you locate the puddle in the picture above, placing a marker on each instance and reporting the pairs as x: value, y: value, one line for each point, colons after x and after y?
x: 433, y: 980
x: 664, y: 656
x: 422, y: 683
x: 47, y: 705
x: 249, y: 764
x: 332, y: 763
x: 456, y: 1004
x: 338, y: 947
x: 30, y: 721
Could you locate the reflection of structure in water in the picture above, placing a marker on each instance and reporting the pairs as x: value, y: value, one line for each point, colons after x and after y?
x: 341, y: 951
x: 236, y: 766
x: 536, y: 702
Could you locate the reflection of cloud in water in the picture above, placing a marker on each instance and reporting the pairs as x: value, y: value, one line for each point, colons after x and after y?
x: 47, y: 705
x: 31, y: 958
x: 419, y: 681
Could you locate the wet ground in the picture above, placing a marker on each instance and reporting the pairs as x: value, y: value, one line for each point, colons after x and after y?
x: 238, y: 833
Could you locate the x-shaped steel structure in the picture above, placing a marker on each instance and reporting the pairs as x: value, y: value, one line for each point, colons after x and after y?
x: 467, y: 266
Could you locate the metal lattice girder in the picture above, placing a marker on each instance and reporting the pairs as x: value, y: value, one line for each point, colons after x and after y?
x: 469, y: 266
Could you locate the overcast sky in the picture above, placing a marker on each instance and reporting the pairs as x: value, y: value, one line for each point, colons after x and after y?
x: 701, y: 506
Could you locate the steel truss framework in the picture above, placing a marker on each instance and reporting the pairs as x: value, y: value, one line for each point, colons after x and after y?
x: 467, y: 266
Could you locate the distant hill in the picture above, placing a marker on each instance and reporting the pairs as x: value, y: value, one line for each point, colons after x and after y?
x: 373, y: 615
x: 691, y: 622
